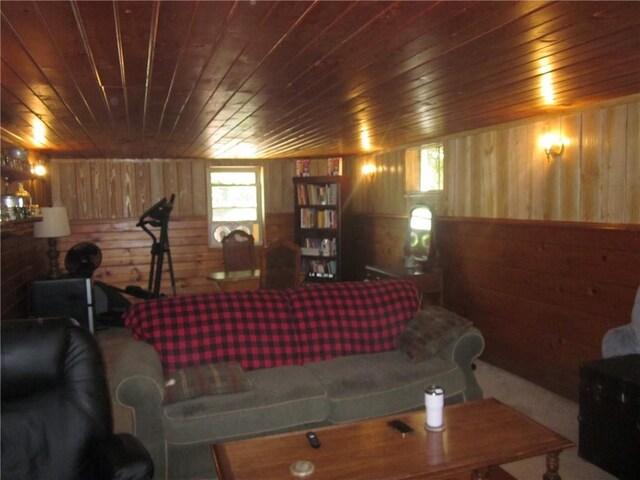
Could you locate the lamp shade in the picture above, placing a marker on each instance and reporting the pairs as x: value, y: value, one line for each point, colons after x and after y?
x: 54, y: 224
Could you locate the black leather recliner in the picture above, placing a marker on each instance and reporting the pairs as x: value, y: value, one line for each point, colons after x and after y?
x: 56, y: 408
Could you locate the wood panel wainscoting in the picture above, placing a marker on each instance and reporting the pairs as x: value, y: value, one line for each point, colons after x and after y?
x: 372, y: 239
x: 126, y: 250
x: 24, y: 259
x: 542, y: 293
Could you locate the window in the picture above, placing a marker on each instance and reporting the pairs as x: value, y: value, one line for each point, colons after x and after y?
x: 431, y: 168
x: 235, y: 202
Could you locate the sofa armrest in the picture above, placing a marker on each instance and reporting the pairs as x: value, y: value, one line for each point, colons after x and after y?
x: 462, y: 351
x: 138, y: 384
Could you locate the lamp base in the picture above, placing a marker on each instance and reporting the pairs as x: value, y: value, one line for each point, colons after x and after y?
x: 53, y: 258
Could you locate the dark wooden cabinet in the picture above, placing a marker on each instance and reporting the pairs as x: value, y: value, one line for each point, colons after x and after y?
x: 318, y: 225
x: 609, y: 420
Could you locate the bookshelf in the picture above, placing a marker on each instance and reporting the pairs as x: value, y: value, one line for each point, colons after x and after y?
x: 318, y: 207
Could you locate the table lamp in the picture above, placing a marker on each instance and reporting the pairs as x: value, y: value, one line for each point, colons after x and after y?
x: 54, y: 224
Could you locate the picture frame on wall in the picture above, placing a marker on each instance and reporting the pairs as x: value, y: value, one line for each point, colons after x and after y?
x: 303, y: 168
x: 334, y: 166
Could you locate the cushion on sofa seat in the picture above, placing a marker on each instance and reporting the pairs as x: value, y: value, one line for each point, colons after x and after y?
x: 251, y: 328
x: 280, y: 398
x: 429, y: 330
x: 366, y: 386
x: 208, y: 379
x: 348, y: 318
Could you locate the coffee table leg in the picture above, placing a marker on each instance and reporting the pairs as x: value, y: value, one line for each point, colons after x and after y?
x: 553, y: 465
x: 480, y: 474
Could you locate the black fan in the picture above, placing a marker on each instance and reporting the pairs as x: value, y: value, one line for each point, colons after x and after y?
x: 83, y: 259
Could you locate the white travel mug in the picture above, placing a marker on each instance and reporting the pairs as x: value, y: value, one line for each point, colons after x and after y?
x: 434, y: 406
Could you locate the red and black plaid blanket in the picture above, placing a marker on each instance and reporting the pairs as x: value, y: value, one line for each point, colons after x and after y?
x: 269, y: 328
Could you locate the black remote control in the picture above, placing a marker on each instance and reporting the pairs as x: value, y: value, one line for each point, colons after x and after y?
x: 314, y: 441
x: 401, y: 427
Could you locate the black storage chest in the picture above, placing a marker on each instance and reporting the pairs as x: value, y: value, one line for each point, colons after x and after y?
x: 609, y: 419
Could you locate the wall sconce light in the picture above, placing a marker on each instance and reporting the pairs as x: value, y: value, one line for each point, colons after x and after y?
x: 553, y: 145
x: 369, y: 171
x: 38, y: 169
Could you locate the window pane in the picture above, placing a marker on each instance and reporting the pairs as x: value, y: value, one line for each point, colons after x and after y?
x: 431, y: 168
x: 233, y: 178
x: 234, y: 197
x: 233, y: 214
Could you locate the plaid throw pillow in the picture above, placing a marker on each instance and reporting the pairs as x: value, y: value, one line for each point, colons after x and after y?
x: 430, y: 330
x: 203, y: 380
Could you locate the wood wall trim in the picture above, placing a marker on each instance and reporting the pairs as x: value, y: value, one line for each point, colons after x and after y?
x: 633, y: 227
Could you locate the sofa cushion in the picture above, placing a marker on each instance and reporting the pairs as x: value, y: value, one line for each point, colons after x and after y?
x: 207, y: 379
x: 430, y: 330
x: 251, y: 328
x: 366, y: 386
x: 280, y: 398
x: 348, y: 318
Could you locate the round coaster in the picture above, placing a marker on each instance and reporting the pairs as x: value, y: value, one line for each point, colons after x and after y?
x: 302, y: 468
x: 434, y: 429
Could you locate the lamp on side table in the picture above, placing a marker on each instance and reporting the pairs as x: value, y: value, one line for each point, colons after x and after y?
x: 54, y: 224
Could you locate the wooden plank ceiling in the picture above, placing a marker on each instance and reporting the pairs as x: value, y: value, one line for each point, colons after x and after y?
x: 214, y: 79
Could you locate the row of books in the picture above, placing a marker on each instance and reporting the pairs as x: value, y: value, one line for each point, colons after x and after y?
x: 320, y: 247
x: 320, y: 268
x: 312, y: 218
x: 310, y: 194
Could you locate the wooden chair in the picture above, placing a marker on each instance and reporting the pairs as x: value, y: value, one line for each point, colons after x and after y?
x: 238, y: 251
x: 280, y: 265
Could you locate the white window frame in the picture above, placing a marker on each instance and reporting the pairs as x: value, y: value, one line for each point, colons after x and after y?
x: 255, y: 227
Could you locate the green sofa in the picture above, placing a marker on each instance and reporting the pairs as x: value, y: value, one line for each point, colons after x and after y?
x: 331, y: 374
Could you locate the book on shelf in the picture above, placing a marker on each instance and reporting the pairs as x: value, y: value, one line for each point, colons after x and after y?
x: 312, y: 194
x: 314, y: 218
x: 321, y: 268
x: 319, y: 247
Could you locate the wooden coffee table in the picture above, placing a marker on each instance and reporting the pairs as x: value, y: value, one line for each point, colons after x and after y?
x: 478, y: 436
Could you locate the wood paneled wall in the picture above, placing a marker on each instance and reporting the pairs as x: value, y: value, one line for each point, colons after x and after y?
x: 542, y: 293
x: 126, y: 250
x: 96, y: 189
x: 24, y: 259
x: 106, y: 197
x: 503, y: 172
x: 372, y: 239
x: 537, y: 289
x: 544, y: 289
